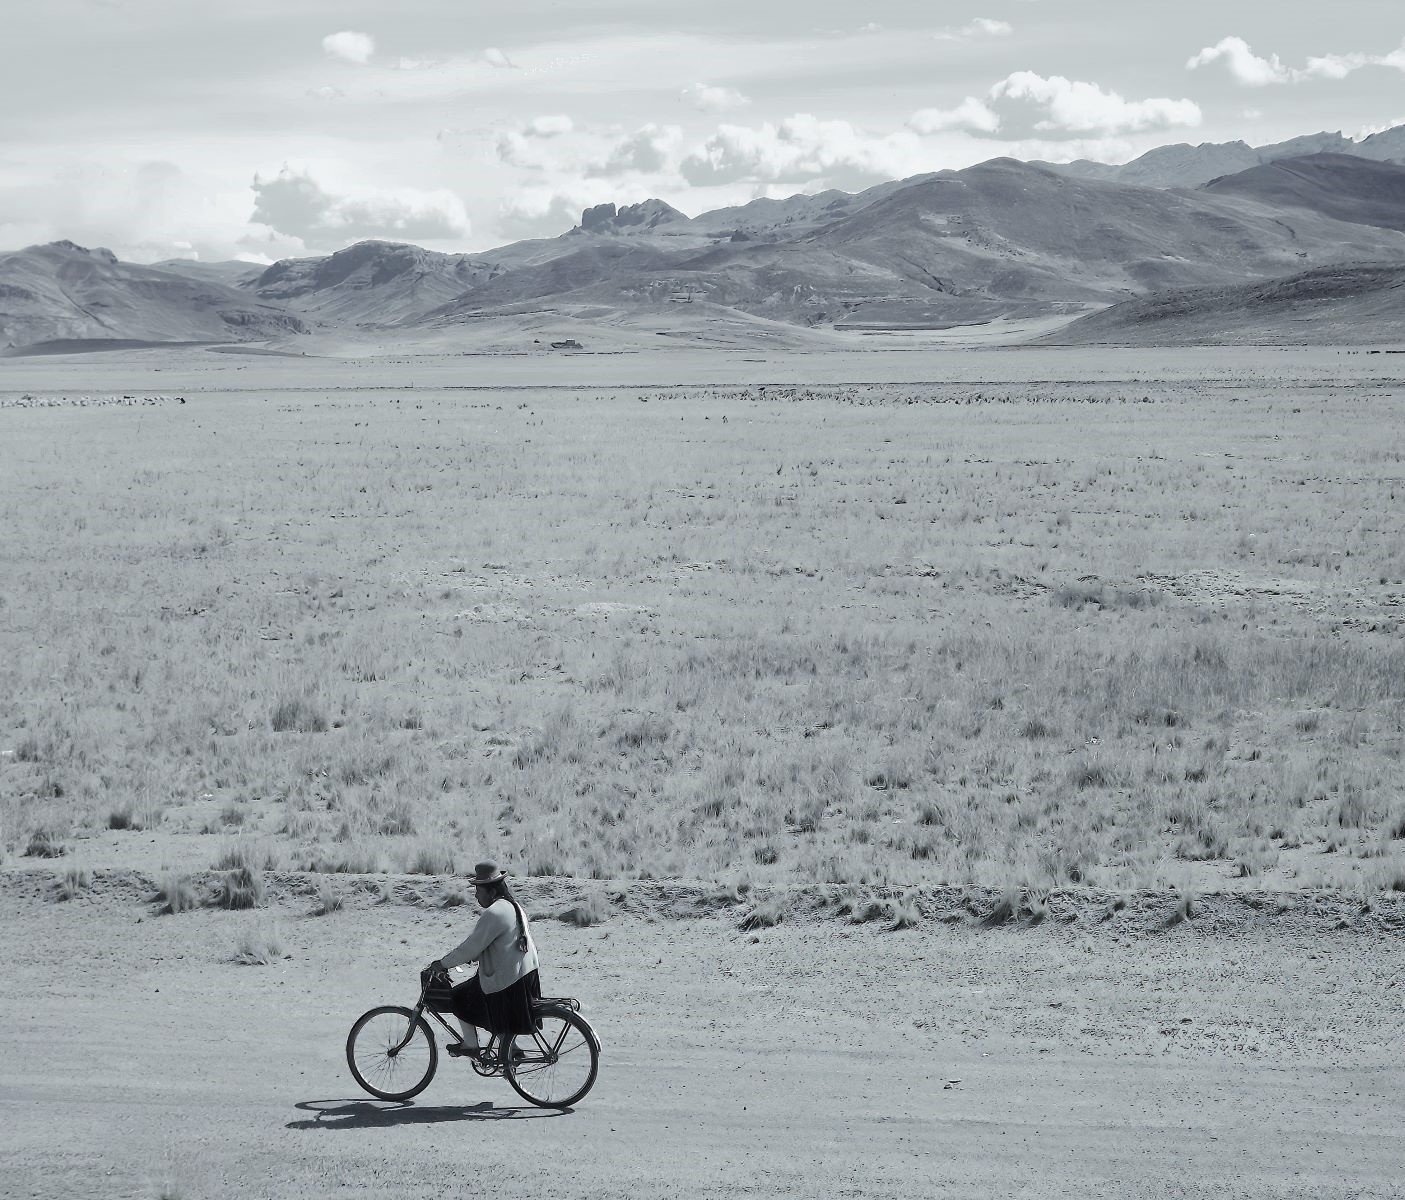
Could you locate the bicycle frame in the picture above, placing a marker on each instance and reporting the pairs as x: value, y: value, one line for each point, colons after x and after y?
x: 419, y: 1011
x: 421, y: 1008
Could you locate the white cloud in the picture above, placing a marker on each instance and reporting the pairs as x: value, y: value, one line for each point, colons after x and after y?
x: 294, y: 204
x: 552, y: 125
x: 1246, y: 66
x: 547, y: 210
x: 649, y: 150
x: 1253, y: 70
x: 142, y: 211
x: 980, y: 27
x: 985, y: 27
x: 349, y: 46
x: 524, y: 147
x: 496, y: 58
x: 714, y: 99
x: 970, y: 114
x: 1081, y: 107
x: 802, y: 147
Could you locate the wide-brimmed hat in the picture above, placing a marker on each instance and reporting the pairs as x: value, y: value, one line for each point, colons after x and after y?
x: 487, y: 872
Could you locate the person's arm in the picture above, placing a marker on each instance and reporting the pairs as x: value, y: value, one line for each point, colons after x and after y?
x: 491, y: 925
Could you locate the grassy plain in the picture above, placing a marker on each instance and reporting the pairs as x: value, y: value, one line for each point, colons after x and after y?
x: 1125, y: 632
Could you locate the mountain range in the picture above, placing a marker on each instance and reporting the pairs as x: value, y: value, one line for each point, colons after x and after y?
x: 1000, y: 240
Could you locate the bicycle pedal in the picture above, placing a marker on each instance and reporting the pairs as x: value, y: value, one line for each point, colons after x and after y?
x: 459, y: 1050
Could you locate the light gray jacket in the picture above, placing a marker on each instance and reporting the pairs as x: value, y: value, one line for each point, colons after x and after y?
x: 493, y: 946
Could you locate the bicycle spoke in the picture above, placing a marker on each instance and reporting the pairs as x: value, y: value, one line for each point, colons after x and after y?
x: 550, y: 1069
x: 391, y: 1053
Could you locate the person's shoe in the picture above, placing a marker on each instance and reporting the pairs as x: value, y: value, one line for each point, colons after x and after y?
x: 460, y: 1050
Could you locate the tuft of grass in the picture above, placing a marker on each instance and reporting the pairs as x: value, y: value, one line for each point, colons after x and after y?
x: 329, y: 899
x: 240, y: 888
x: 766, y: 854
x: 299, y: 714
x: 592, y: 909
x: 429, y: 858
x: 1185, y: 909
x: 46, y: 842
x: 176, y: 893
x: 905, y: 914
x: 258, y: 946
x: 249, y: 856
x: 764, y: 915
x: 1255, y: 858
x: 74, y: 883
x: 399, y: 821
x: 860, y: 911
x: 355, y: 858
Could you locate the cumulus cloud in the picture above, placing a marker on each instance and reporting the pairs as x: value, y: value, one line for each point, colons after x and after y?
x: 1246, y: 66
x: 971, y: 114
x: 649, y: 150
x: 547, y: 210
x: 142, y: 211
x: 1253, y: 70
x: 714, y: 99
x: 801, y: 147
x: 349, y: 46
x: 296, y: 205
x: 1080, y: 107
x: 523, y: 147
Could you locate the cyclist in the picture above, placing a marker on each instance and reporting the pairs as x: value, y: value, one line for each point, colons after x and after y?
x: 499, y: 998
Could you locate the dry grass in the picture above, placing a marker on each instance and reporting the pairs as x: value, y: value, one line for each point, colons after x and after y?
x: 175, y: 893
x: 72, y: 884
x: 870, y: 636
x: 259, y: 945
x: 329, y: 899
x: 239, y: 888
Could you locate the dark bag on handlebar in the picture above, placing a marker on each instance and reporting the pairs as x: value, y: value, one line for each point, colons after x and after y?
x: 438, y: 991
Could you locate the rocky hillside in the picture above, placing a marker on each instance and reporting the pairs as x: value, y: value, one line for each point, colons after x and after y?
x: 1341, y: 186
x: 1000, y: 238
x: 61, y: 291
x: 1185, y: 166
x: 1361, y: 305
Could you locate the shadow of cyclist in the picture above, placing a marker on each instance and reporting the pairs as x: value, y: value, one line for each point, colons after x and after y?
x: 381, y: 1114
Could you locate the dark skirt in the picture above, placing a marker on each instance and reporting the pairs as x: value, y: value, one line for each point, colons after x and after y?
x: 506, y: 1012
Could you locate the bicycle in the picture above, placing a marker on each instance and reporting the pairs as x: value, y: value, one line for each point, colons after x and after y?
x: 393, y: 1055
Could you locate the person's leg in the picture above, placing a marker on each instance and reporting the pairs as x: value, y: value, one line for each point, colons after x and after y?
x: 470, y: 1008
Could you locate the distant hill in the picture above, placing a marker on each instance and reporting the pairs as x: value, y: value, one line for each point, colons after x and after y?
x: 62, y: 291
x: 376, y: 283
x: 1003, y: 237
x: 1185, y: 166
x: 1000, y: 241
x: 1341, y: 186
x: 1361, y: 305
x: 231, y: 273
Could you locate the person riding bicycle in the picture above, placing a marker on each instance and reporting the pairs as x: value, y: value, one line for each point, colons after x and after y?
x: 499, y: 998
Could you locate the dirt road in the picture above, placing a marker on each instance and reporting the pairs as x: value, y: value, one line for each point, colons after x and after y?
x: 820, y: 1060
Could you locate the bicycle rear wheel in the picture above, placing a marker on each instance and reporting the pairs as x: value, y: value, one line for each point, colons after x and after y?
x: 554, y: 1066
x: 384, y: 1061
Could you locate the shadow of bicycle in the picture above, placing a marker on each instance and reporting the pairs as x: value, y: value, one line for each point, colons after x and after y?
x: 381, y: 1114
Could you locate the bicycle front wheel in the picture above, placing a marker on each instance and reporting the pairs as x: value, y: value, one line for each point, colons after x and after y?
x: 554, y: 1066
x: 391, y: 1053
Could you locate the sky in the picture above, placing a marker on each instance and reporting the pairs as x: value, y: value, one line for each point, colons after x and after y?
x: 267, y: 129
